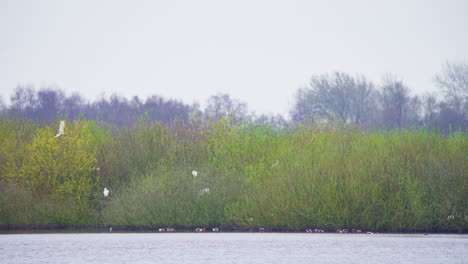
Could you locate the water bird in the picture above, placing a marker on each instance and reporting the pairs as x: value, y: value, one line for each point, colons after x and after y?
x: 110, y: 229
x: 105, y: 192
x: 61, y: 130
x: 274, y: 165
x: 205, y: 190
x: 194, y: 173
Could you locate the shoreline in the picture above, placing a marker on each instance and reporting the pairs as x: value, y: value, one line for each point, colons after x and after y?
x: 127, y: 229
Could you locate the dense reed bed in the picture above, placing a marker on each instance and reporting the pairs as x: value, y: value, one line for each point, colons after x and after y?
x: 248, y: 176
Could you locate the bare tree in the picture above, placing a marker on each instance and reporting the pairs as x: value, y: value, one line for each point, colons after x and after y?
x: 136, y: 105
x: 336, y: 96
x: 73, y: 106
x: 222, y: 106
x: 276, y: 121
x: 453, y: 81
x: 49, y: 104
x: 166, y: 110
x: 303, y: 111
x: 430, y: 110
x: 195, y: 114
x: 394, y: 101
x: 23, y: 101
x: 115, y: 111
x: 363, y: 101
x: 450, y: 119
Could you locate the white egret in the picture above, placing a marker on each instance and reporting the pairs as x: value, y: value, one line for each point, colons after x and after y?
x: 61, y: 130
x: 274, y: 165
x: 205, y: 190
x: 106, y: 192
x: 194, y: 173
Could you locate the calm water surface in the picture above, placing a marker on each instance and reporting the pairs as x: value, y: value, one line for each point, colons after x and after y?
x: 232, y: 248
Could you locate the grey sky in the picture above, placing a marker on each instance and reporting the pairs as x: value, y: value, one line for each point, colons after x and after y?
x: 258, y: 51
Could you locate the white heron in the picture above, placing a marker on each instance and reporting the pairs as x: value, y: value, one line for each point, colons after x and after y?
x: 194, y: 173
x: 205, y: 190
x: 274, y: 165
x: 61, y: 130
x: 106, y: 192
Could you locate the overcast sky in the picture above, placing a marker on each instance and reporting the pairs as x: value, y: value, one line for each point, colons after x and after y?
x: 260, y: 52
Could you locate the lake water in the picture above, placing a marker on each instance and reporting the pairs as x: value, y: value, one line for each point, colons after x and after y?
x: 232, y: 248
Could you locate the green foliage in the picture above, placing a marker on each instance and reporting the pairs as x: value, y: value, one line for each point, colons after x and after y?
x: 309, y: 176
x: 64, y: 165
x: 15, y: 135
x: 130, y: 152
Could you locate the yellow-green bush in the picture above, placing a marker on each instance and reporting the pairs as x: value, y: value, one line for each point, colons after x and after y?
x: 63, y: 165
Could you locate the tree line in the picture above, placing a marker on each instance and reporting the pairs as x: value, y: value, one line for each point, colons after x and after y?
x: 328, y: 98
x: 346, y: 159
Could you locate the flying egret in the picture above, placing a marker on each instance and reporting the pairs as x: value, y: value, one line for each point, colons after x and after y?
x: 106, y: 192
x: 61, y: 130
x: 194, y: 173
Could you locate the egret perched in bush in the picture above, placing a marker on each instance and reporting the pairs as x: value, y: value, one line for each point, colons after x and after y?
x: 274, y: 165
x: 106, y: 192
x: 205, y: 190
x: 61, y: 130
x: 194, y: 173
